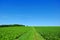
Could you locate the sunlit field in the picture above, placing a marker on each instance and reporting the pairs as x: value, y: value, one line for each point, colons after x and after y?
x: 49, y: 33
x: 30, y: 33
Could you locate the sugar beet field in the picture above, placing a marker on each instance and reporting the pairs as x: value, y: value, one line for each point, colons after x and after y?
x: 30, y: 33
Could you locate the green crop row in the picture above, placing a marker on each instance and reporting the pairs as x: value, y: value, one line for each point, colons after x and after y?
x: 49, y: 33
x: 12, y: 33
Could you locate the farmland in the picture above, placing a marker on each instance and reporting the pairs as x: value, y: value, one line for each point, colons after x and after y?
x: 49, y: 33
x: 30, y: 33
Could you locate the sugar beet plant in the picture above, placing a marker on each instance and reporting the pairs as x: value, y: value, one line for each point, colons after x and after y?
x: 49, y: 32
x: 11, y: 33
x: 50, y: 35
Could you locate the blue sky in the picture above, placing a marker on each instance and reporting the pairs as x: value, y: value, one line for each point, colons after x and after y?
x: 30, y: 12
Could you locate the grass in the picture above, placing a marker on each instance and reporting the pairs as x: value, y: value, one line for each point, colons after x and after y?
x: 30, y: 33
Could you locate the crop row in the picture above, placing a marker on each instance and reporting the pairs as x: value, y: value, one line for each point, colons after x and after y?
x: 12, y: 33
x: 50, y: 35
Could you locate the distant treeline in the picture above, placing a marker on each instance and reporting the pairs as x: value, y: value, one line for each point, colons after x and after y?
x: 13, y: 25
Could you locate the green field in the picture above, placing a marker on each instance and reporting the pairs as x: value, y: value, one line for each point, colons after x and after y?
x: 30, y: 33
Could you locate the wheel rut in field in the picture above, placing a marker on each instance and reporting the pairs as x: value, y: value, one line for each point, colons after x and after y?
x: 37, y: 36
x: 30, y: 35
x: 20, y: 35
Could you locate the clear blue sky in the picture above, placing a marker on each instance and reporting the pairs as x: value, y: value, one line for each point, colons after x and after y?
x: 30, y: 12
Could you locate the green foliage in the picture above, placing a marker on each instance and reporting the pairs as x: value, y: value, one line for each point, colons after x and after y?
x: 29, y: 33
x: 12, y: 33
x: 49, y: 33
x: 13, y: 25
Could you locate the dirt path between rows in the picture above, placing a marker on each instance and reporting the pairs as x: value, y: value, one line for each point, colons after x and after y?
x: 31, y: 35
x: 37, y: 36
